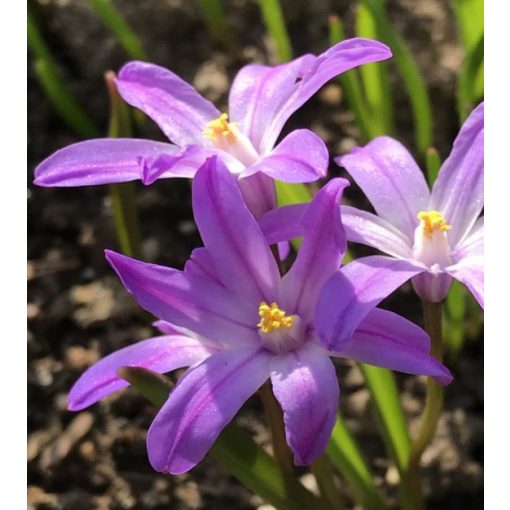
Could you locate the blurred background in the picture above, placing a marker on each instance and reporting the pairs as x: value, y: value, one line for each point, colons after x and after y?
x: 78, y: 310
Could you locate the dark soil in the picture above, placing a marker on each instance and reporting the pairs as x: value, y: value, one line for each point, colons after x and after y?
x: 79, y: 312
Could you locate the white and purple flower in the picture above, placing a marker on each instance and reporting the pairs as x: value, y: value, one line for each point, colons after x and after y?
x: 237, y: 322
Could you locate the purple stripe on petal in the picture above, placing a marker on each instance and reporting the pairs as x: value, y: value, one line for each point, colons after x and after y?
x: 367, y: 228
x: 176, y: 107
x: 320, y: 253
x: 187, y: 300
x: 306, y: 386
x: 202, y: 404
x: 391, y: 180
x: 458, y: 190
x: 160, y: 354
x: 242, y: 259
x: 469, y: 271
x: 353, y: 292
x: 100, y: 161
x: 283, y: 223
x: 300, y: 157
x: 385, y: 339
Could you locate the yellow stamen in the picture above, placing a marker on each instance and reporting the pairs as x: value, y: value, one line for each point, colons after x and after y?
x: 221, y: 127
x: 432, y: 220
x: 273, y: 318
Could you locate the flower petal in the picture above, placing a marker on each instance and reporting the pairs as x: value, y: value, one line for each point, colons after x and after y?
x: 300, y: 157
x: 259, y: 193
x: 473, y: 244
x: 201, y: 264
x: 353, y: 292
x: 385, y: 339
x: 458, y: 190
x: 469, y: 271
x: 305, y: 384
x: 242, y: 259
x: 391, y: 180
x: 263, y: 98
x: 187, y: 300
x: 320, y: 253
x: 283, y: 223
x: 367, y: 228
x: 100, y: 161
x: 202, y: 404
x: 160, y: 354
x: 176, y: 107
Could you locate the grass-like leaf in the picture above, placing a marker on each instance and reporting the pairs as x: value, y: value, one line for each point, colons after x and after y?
x: 214, y: 18
x: 275, y: 24
x: 127, y: 38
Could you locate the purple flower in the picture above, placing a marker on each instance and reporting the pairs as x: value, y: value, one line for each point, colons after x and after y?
x: 438, y: 231
x: 258, y: 325
x: 261, y: 100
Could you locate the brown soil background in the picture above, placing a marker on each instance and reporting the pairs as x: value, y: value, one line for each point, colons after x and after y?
x: 79, y: 312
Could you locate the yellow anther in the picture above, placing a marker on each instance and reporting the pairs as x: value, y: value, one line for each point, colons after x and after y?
x: 432, y: 220
x: 221, y: 127
x: 273, y: 318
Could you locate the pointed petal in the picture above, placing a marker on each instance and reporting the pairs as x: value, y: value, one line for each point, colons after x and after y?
x: 469, y: 271
x: 263, y: 98
x: 392, y: 181
x: 385, y: 339
x: 160, y: 354
x: 283, y: 223
x: 300, y: 157
x: 176, y: 107
x: 202, y: 404
x: 367, y: 228
x: 320, y: 253
x: 242, y: 259
x: 353, y: 292
x: 458, y: 190
x: 305, y: 384
x: 186, y: 300
x: 100, y: 161
x: 473, y: 244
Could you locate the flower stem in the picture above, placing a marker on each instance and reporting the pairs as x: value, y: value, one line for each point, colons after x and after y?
x: 433, y: 403
x: 274, y: 415
x: 321, y: 469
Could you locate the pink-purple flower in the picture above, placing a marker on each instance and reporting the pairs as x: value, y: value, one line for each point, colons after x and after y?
x: 237, y: 323
x: 439, y: 232
x: 261, y: 100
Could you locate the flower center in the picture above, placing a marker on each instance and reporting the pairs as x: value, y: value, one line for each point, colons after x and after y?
x: 220, y: 128
x: 432, y: 221
x: 273, y: 318
x: 430, y: 240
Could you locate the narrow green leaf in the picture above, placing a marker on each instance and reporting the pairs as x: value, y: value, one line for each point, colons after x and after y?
x: 453, y: 319
x: 469, y: 15
x: 236, y: 451
x: 351, y: 86
x: 433, y: 164
x: 54, y: 88
x: 413, y: 81
x: 123, y: 195
x: 385, y: 398
x: 288, y: 194
x: 275, y: 25
x: 469, y: 91
x: 376, y: 84
x: 214, y: 17
x: 344, y: 452
x: 127, y: 38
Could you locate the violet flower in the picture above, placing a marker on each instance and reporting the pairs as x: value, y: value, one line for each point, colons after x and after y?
x: 438, y: 231
x: 259, y: 325
x: 261, y: 100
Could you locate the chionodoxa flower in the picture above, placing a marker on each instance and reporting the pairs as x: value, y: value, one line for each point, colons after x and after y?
x: 236, y: 322
x: 261, y: 100
x: 438, y: 231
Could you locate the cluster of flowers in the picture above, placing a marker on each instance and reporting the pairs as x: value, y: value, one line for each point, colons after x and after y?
x: 230, y: 316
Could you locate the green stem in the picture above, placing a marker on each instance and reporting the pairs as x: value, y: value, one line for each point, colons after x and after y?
x: 321, y: 469
x: 274, y: 415
x: 433, y: 404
